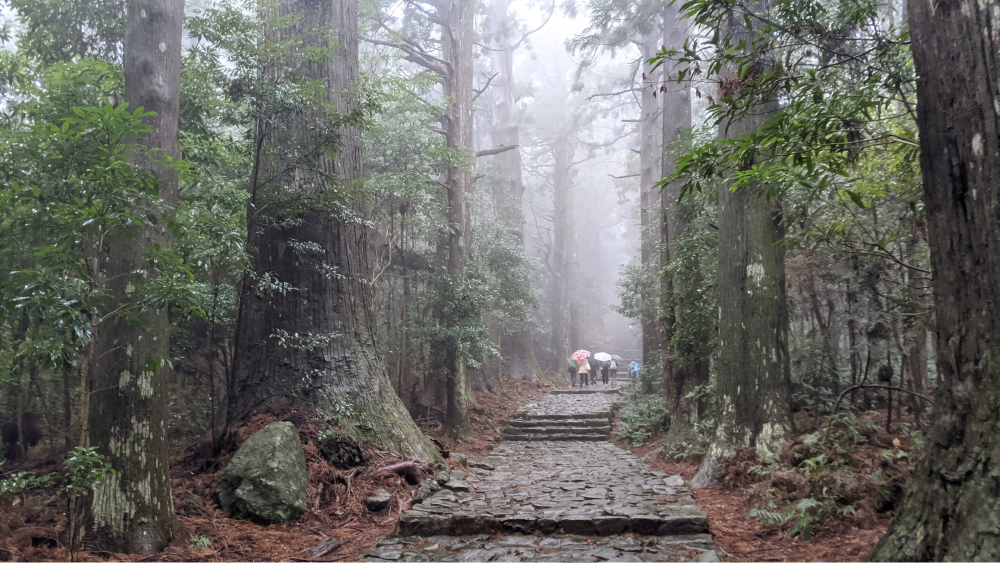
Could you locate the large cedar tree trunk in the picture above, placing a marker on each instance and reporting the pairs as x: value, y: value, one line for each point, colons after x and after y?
x: 680, y: 376
x: 951, y: 510
x: 650, y: 159
x: 752, y: 389
x: 314, y: 345
x: 457, y: 44
x: 517, y: 350
x: 561, y: 252
x: 132, y: 509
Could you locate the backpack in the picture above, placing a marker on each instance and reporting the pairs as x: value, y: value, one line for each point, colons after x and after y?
x: 572, y: 363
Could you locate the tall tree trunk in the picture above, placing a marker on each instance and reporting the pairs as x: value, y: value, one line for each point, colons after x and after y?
x: 950, y: 510
x: 457, y: 51
x: 132, y: 509
x: 563, y: 242
x: 650, y: 130
x: 517, y: 351
x: 680, y: 376
x: 314, y: 344
x: 752, y: 390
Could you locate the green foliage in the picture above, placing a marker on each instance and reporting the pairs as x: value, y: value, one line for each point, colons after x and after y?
x: 199, y: 542
x: 23, y: 481
x: 85, y: 469
x: 642, y: 416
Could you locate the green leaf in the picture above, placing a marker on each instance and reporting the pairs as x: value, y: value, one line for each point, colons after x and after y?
x: 855, y: 198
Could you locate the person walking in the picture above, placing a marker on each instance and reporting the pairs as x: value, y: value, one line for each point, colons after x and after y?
x: 634, y: 370
x: 571, y: 367
x: 605, y: 371
x: 584, y: 369
x: 595, y: 368
x: 613, y: 366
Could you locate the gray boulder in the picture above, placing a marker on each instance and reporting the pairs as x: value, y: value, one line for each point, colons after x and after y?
x: 379, y: 501
x: 266, y: 479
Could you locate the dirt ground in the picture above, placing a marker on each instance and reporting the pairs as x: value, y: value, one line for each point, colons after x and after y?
x: 32, y: 528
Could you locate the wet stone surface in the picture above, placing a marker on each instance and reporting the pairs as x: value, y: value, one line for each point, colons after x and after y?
x: 572, y: 404
x: 560, y: 492
x: 481, y: 547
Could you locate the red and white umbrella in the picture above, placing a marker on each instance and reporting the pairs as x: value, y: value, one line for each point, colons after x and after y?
x: 580, y: 355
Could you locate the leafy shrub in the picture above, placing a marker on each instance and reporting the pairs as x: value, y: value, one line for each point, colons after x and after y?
x: 643, y: 416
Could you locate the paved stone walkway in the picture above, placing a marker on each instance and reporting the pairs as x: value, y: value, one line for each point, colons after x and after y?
x: 553, y: 499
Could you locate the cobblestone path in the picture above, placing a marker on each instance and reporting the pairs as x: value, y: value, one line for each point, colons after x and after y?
x: 553, y: 499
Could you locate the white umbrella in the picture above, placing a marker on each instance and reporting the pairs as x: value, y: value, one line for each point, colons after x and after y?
x: 602, y: 357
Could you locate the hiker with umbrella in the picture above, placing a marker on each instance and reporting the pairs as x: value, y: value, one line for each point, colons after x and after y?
x: 605, y: 365
x: 615, y: 358
x: 583, y: 365
x: 595, y: 369
x: 571, y: 367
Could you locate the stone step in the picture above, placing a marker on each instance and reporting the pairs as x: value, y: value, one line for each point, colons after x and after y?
x: 586, y: 390
x: 557, y: 430
x: 591, y: 437
x: 682, y: 520
x: 589, y: 415
x: 560, y: 422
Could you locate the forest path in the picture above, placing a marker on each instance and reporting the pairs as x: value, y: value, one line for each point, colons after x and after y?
x: 557, y: 494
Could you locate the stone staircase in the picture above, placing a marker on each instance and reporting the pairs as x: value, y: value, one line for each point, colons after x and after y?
x: 589, y: 427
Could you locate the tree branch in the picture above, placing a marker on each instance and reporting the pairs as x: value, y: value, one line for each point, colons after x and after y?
x: 872, y: 385
x: 479, y: 92
x: 496, y: 150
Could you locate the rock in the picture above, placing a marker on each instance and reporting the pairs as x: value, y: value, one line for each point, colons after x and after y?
x: 458, y: 475
x: 379, y: 501
x: 442, y: 477
x: 674, y: 481
x: 456, y: 485
x: 426, y: 489
x: 708, y: 556
x: 461, y: 458
x: 342, y: 452
x: 266, y: 479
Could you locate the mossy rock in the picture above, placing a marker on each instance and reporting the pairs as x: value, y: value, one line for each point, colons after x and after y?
x: 266, y: 480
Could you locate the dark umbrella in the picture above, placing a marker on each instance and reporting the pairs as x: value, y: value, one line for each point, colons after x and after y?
x: 616, y: 357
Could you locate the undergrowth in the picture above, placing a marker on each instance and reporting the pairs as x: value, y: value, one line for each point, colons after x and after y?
x: 848, y: 469
x: 642, y: 416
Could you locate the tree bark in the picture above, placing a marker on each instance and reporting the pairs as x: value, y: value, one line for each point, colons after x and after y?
x: 680, y: 376
x: 457, y: 44
x: 132, y: 509
x: 753, y: 381
x: 314, y: 344
x: 516, y: 352
x: 562, y: 243
x: 650, y: 148
x: 950, y: 510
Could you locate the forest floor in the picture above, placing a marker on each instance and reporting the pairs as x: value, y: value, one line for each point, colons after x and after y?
x: 755, y: 513
x: 335, y: 527
x: 848, y: 473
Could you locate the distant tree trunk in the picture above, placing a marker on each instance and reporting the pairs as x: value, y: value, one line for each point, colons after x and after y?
x: 752, y: 389
x: 950, y: 509
x: 132, y: 509
x: 314, y: 344
x: 650, y: 147
x: 680, y: 376
x: 562, y: 239
x: 517, y: 351
x: 457, y: 48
